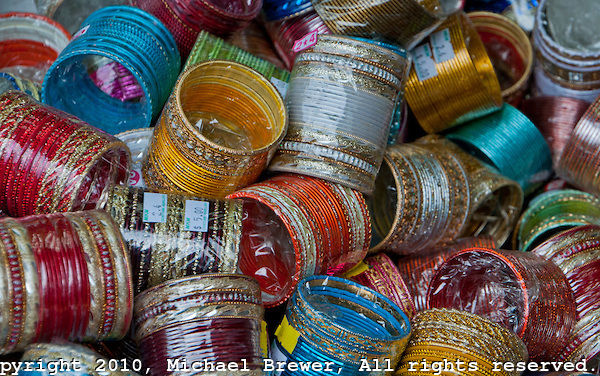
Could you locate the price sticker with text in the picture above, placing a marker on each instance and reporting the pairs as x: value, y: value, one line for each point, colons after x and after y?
x: 305, y: 42
x: 155, y: 207
x: 196, y: 216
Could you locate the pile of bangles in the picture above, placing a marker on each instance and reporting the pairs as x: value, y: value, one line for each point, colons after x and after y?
x: 300, y: 187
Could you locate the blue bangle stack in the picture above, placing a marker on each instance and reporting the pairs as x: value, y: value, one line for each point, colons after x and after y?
x: 119, y: 34
x: 276, y: 10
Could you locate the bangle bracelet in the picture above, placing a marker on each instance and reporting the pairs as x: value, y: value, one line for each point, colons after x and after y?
x: 133, y: 40
x: 535, y: 292
x: 431, y: 84
x: 13, y: 82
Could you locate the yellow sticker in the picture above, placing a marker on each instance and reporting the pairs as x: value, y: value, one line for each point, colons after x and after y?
x: 287, y: 335
x: 361, y: 267
x: 264, y: 339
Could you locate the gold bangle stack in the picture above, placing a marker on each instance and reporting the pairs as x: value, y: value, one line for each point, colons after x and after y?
x: 218, y: 131
x: 444, y: 337
x: 406, y: 22
x: 462, y: 88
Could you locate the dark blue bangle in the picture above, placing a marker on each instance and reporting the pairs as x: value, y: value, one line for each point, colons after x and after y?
x: 508, y: 141
x: 126, y: 35
x: 279, y: 10
x: 496, y: 6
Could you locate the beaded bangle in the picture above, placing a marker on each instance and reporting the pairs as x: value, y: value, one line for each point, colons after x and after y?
x: 509, y: 50
x: 436, y: 98
x: 327, y: 224
x: 205, y: 147
x: 441, y: 334
x: 65, y: 276
x: 197, y: 235
x: 54, y: 162
x: 333, y: 319
x: 578, y: 161
x: 406, y: 22
x: 340, y: 102
x: 521, y: 291
x: 553, y: 212
x: 504, y: 138
x: 30, y: 43
x: 213, y: 317
x: 135, y: 40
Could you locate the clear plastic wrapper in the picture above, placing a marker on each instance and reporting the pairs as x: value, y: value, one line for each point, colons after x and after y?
x: 296, y: 226
x: 52, y: 161
x: 509, y: 50
x: 459, y: 342
x: 72, y: 279
x: 117, y: 72
x: 71, y: 13
x: 29, y: 44
x: 553, y: 212
x: 330, y: 319
x: 138, y: 142
x: 212, y: 318
x: 174, y: 235
x: 576, y: 252
x: 520, y: 291
x: 573, y: 25
x: 69, y: 359
x: 340, y: 101
x: 406, y: 22
x: 218, y: 132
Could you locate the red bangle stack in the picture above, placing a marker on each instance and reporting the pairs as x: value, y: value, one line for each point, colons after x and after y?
x: 380, y: 274
x: 66, y: 276
x: 327, y: 225
x: 207, y: 318
x: 576, y: 253
x: 284, y: 34
x: 186, y: 18
x: 522, y: 291
x: 51, y: 161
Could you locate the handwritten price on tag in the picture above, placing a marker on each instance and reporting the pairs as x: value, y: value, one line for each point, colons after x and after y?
x: 196, y: 216
x: 305, y: 42
x: 155, y: 207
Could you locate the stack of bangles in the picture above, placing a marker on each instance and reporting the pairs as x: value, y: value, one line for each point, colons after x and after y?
x: 255, y: 40
x: 579, y: 161
x: 563, y: 69
x: 53, y: 162
x: 202, y: 320
x: 418, y: 270
x: 553, y: 212
x: 277, y: 10
x: 495, y: 200
x: 327, y: 225
x: 406, y: 22
x: 340, y: 110
x: 510, y: 142
x: 429, y: 197
x: 30, y: 43
x: 464, y: 343
x: 64, y: 276
x: 380, y: 274
x: 521, y: 291
x: 195, y: 236
x: 576, y: 253
x: 440, y: 101
x: 331, y: 319
x: 135, y: 49
x: 209, y: 47
x: 556, y: 118
x: 217, y: 132
x: 186, y: 18
x: 81, y: 361
x: 11, y: 82
x: 509, y: 50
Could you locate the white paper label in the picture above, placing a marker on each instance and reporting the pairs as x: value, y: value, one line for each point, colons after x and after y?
x: 155, y: 207
x: 442, y: 46
x: 424, y: 63
x: 135, y: 178
x: 196, y: 216
x: 81, y: 32
x: 281, y: 86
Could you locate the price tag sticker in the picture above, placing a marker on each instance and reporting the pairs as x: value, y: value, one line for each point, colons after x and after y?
x: 280, y: 85
x: 155, y: 207
x: 80, y: 32
x: 196, y: 216
x: 442, y: 46
x: 424, y: 63
x: 305, y: 42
